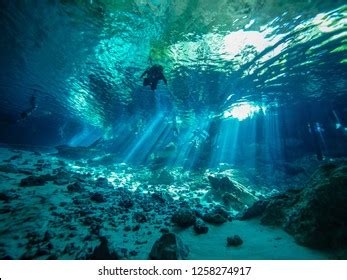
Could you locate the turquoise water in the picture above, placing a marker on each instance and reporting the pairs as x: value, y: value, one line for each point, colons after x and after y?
x: 256, y: 92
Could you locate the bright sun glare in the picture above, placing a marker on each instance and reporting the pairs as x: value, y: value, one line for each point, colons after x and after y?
x: 242, y: 111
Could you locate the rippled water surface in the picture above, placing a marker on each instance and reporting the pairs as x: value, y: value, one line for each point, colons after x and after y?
x: 85, y: 58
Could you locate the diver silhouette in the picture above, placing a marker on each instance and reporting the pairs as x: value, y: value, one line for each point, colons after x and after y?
x: 10, y: 119
x: 33, y: 107
x: 154, y: 75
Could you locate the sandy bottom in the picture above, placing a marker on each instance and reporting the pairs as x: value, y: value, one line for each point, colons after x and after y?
x: 36, y: 210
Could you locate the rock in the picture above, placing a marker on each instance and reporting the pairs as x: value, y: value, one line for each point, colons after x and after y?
x: 136, y: 228
x: 76, y: 152
x: 61, y: 181
x: 102, y: 182
x: 4, y: 197
x: 164, y: 230
x: 98, y: 197
x: 218, y: 215
x: 161, y: 197
x: 221, y: 184
x: 276, y: 209
x: 5, y: 210
x: 200, y: 227
x: 127, y: 228
x: 234, y: 241
x: 160, y: 158
x: 220, y: 210
x: 169, y: 247
x: 103, y: 160
x: 184, y: 217
x: 133, y: 253
x: 8, y: 168
x: 29, y: 255
x: 41, y: 252
x: 33, y: 181
x: 126, y: 202
x: 62, y: 178
x: 315, y: 215
x: 164, y: 178
x: 75, y: 187
x: 26, y: 171
x: 15, y: 157
x: 48, y: 236
x: 231, y: 193
x: 103, y: 252
x: 256, y: 210
x: 233, y: 201
x: 140, y: 217
x: 214, y: 218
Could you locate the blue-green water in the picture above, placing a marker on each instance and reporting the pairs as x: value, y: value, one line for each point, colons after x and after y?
x: 256, y: 91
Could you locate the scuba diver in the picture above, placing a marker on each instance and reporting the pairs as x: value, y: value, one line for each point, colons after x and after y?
x: 8, y: 119
x: 33, y: 107
x: 154, y: 75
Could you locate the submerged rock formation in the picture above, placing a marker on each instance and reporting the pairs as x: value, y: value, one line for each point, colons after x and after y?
x: 200, y: 227
x: 217, y: 215
x: 231, y: 193
x: 169, y: 247
x: 77, y: 152
x: 234, y: 241
x: 184, y: 218
x: 103, y: 252
x: 163, y: 178
x: 161, y: 157
x: 315, y: 215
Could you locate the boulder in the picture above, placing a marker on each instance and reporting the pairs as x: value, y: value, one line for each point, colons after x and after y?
x: 184, y: 218
x: 217, y: 215
x: 76, y: 152
x: 62, y: 177
x: 164, y: 178
x: 231, y: 200
x: 169, y: 247
x: 200, y: 227
x: 8, y: 168
x: 75, y: 187
x: 234, y: 241
x: 214, y: 218
x: 140, y: 217
x: 103, y: 252
x: 61, y: 181
x: 161, y: 197
x: 98, y: 197
x: 256, y: 210
x: 102, y: 182
x: 231, y: 193
x: 126, y: 202
x: 220, y: 184
x: 160, y: 158
x: 108, y: 159
x: 33, y: 181
x: 4, y: 197
x: 315, y: 215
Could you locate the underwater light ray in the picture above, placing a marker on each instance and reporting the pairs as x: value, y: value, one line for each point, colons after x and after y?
x: 155, y: 124
x: 183, y: 147
x: 272, y: 137
x: 157, y: 143
x: 196, y: 144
